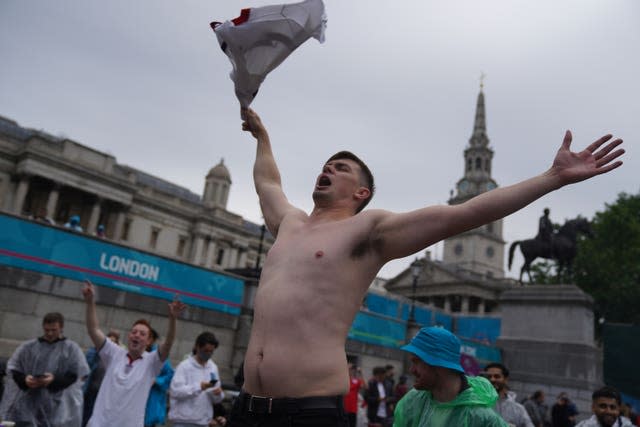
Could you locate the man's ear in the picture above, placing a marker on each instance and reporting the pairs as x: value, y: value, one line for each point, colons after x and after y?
x: 362, y: 193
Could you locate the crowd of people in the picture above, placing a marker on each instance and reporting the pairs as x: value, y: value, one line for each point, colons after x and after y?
x: 52, y: 383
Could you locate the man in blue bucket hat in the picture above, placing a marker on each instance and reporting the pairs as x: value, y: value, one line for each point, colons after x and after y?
x: 443, y: 396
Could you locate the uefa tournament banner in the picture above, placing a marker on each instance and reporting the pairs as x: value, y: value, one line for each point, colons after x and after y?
x: 58, y: 252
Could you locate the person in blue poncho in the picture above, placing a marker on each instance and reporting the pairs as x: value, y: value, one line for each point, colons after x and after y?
x: 156, y: 410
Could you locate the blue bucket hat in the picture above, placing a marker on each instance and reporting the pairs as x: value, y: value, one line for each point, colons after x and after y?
x: 436, y: 347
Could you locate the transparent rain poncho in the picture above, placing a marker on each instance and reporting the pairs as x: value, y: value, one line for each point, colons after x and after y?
x: 471, y: 408
x: 41, y: 406
x: 261, y: 38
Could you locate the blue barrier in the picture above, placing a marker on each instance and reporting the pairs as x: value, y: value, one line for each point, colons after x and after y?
x: 376, y: 329
x: 382, y: 305
x: 484, y: 329
x: 445, y: 321
x: 58, y: 252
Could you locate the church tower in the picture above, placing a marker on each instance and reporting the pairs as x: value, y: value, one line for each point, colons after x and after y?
x: 480, y: 250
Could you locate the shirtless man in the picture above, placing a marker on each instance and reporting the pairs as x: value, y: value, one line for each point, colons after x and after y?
x: 322, y: 263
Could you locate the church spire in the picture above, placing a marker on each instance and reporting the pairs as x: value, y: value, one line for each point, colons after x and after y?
x: 477, y: 158
x: 479, y: 137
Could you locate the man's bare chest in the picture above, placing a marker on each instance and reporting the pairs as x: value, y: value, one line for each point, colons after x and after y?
x: 321, y: 245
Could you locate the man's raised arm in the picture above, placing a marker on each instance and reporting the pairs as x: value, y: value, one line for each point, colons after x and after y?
x: 266, y: 175
x: 91, y: 318
x: 406, y: 233
x: 175, y: 308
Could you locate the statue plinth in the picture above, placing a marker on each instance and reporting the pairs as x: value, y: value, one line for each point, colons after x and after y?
x: 547, y: 339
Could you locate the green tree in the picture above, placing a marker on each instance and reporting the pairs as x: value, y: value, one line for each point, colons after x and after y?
x: 608, y: 265
x: 544, y: 273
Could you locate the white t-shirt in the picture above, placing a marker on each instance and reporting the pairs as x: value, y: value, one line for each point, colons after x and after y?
x: 382, y: 408
x: 125, y: 388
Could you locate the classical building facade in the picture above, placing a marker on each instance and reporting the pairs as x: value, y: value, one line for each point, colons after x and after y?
x: 470, y: 277
x: 43, y: 176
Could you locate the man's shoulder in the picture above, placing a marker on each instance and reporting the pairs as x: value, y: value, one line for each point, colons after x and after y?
x: 589, y: 422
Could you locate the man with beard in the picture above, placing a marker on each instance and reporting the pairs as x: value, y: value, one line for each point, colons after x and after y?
x: 129, y: 373
x: 605, y: 404
x: 442, y: 395
x: 507, y: 406
x: 322, y: 263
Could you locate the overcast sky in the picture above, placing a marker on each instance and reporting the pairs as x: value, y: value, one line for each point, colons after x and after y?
x: 396, y: 82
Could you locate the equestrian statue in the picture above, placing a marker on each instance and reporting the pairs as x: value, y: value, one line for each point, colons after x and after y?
x: 560, y: 246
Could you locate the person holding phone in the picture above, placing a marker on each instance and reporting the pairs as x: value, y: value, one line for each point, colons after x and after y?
x: 47, y: 373
x: 196, y: 386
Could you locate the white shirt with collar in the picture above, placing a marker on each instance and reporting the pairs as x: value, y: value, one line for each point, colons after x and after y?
x: 123, y: 395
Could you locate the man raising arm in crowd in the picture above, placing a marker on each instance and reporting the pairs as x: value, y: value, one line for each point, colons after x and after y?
x: 322, y: 263
x: 129, y: 373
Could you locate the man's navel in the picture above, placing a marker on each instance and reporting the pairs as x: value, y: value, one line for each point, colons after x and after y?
x: 319, y: 254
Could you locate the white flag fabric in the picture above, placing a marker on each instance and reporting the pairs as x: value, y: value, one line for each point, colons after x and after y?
x: 261, y: 38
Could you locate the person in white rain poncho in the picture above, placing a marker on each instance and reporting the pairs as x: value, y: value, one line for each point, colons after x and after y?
x: 509, y: 409
x: 47, y: 374
x: 261, y: 38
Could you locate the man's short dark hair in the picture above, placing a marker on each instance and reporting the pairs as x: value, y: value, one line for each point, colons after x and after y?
x: 204, y: 339
x: 505, y: 371
x: 53, y: 318
x: 366, y: 177
x: 379, y: 370
x: 537, y: 394
x: 608, y: 392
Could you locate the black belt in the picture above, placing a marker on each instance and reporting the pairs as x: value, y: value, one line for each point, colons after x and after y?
x: 286, y: 405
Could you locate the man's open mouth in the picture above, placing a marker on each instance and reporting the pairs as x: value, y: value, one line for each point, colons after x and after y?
x: 324, y: 181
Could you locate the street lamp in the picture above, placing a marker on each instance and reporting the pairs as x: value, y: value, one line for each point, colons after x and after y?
x: 416, y: 269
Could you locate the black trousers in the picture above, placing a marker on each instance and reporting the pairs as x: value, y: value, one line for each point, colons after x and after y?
x: 291, y: 415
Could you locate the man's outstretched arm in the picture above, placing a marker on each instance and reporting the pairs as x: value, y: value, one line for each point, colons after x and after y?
x: 266, y: 175
x: 96, y: 335
x: 175, y: 308
x: 404, y: 234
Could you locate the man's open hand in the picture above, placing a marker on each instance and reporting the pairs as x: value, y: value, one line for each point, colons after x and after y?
x: 596, y: 159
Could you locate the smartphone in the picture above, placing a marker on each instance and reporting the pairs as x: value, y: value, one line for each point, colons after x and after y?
x: 213, y: 379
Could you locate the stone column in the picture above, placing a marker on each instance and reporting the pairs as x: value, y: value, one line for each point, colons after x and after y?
x: 481, y: 307
x: 242, y: 262
x: 52, y: 201
x: 196, y: 248
x: 447, y: 304
x: 117, y: 233
x: 21, y: 194
x: 233, y: 258
x: 464, y: 306
x: 211, y: 259
x: 95, y: 216
x: 226, y: 258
